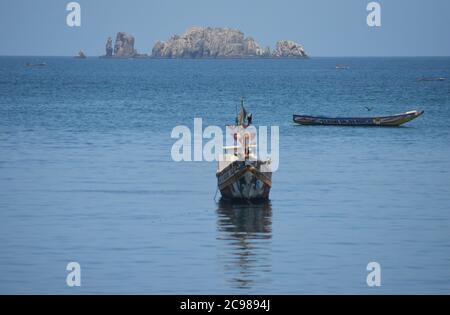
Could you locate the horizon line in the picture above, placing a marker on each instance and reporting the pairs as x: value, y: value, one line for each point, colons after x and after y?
x: 252, y: 58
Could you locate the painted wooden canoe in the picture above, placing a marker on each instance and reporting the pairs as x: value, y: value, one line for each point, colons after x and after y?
x: 381, y: 121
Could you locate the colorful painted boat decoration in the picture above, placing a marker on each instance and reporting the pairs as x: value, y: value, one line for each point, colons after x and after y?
x: 240, y: 175
x: 245, y: 180
x: 380, y: 121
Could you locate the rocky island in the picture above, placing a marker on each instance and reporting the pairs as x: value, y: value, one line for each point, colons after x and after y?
x: 123, y: 47
x: 209, y: 42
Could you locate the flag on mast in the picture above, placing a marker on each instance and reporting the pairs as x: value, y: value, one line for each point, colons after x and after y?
x: 242, y: 114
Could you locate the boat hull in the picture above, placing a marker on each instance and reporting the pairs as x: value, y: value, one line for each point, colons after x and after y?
x: 377, y: 121
x: 244, y: 180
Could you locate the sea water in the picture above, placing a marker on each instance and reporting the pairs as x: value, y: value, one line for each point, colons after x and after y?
x: 86, y: 176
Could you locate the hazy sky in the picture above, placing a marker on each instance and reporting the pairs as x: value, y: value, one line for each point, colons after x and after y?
x: 324, y: 27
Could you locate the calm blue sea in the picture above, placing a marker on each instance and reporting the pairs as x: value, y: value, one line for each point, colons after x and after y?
x: 86, y: 175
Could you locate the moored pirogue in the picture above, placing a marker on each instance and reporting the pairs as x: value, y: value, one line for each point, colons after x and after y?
x: 240, y: 175
x: 377, y: 121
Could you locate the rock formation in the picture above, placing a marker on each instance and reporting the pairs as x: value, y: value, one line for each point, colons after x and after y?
x: 109, y: 48
x: 124, y: 45
x: 288, y: 49
x: 81, y: 55
x: 209, y: 42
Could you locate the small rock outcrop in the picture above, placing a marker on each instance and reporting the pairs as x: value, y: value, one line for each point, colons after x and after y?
x: 288, y: 49
x: 81, y: 55
x: 124, y: 45
x: 109, y: 47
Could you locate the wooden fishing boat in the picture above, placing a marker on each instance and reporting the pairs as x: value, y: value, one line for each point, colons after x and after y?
x: 241, y: 176
x: 433, y: 79
x: 42, y: 64
x: 381, y: 121
x: 244, y: 179
x: 342, y: 67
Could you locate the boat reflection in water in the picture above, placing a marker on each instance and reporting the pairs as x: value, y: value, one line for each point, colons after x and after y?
x: 245, y: 232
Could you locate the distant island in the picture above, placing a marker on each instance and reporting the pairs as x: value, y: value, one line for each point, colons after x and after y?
x: 200, y: 42
x: 123, y: 47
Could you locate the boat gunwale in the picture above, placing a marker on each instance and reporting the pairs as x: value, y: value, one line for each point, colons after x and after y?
x: 414, y: 113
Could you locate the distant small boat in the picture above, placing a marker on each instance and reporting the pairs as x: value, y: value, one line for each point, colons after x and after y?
x: 342, y: 67
x: 42, y: 64
x: 433, y: 79
x: 381, y: 121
